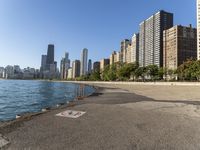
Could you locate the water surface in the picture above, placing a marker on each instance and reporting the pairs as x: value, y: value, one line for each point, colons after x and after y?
x: 21, y: 96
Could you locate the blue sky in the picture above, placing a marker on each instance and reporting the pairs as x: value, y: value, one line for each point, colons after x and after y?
x: 28, y: 26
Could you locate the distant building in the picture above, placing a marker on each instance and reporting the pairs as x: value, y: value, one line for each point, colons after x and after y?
x: 151, y: 38
x: 117, y: 57
x: 112, y: 58
x: 135, y: 48
x: 198, y: 29
x: 29, y: 73
x: 48, y: 69
x: 124, y: 46
x: 70, y: 73
x: 179, y: 44
x: 84, y: 59
x: 104, y: 63
x: 17, y: 72
x: 50, y: 54
x: 1, y: 72
x: 64, y: 66
x: 128, y: 54
x: 8, y: 72
x: 43, y: 63
x: 89, y: 66
x: 76, y: 68
x: 96, y: 66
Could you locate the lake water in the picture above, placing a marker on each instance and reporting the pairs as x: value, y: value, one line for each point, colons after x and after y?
x: 21, y: 96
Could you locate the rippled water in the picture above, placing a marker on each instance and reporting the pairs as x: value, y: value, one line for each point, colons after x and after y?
x: 20, y: 96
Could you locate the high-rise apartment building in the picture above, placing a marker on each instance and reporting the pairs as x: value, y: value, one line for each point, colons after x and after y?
x: 135, y: 48
x: 76, y: 68
x: 132, y: 54
x: 198, y: 29
x: 151, y: 38
x: 128, y: 54
x: 124, y: 45
x: 84, y: 59
x: 104, y: 63
x: 179, y: 44
x: 115, y: 58
x: 112, y: 58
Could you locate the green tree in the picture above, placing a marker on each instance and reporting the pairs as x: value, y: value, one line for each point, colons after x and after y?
x: 141, y: 72
x: 127, y: 70
x: 152, y: 71
x: 95, y: 76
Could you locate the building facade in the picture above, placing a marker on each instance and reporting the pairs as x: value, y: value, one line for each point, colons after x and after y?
x: 198, y: 29
x: 151, y: 38
x: 70, y: 73
x: 104, y: 63
x: 96, y: 66
x: 64, y: 66
x: 135, y: 48
x: 76, y: 68
x: 48, y: 69
x: 179, y: 44
x: 89, y: 66
x: 112, y: 58
x: 124, y: 47
x: 50, y: 55
x: 84, y: 59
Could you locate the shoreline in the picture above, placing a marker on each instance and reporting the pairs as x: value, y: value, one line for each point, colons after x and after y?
x: 29, y: 115
x: 109, y: 113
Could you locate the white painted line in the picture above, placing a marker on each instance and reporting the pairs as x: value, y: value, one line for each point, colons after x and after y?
x: 71, y: 114
x: 3, y: 142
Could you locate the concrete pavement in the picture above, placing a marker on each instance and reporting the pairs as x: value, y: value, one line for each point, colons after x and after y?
x: 115, y: 119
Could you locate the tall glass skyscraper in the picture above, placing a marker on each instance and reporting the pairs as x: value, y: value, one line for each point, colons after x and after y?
x: 84, y: 59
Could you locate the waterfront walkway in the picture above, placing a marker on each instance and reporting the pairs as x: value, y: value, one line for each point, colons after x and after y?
x: 115, y: 119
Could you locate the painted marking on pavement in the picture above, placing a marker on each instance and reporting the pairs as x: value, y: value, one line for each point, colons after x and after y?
x: 71, y: 114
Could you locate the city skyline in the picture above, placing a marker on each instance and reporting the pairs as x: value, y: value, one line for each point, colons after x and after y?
x: 26, y: 33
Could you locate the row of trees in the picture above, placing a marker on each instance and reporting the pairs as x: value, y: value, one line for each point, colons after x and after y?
x: 189, y: 70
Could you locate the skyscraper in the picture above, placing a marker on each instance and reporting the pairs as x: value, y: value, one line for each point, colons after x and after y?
x: 64, y: 66
x: 96, y: 66
x: 151, y: 38
x: 198, y: 29
x: 50, y: 54
x: 112, y: 58
x: 124, y: 47
x: 135, y: 48
x: 48, y: 65
x: 84, y: 57
x: 89, y: 66
x: 76, y: 68
x: 43, y: 62
x: 179, y: 44
x: 104, y: 63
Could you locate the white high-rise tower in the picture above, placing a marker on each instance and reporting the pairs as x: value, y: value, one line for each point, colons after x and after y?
x: 84, y: 59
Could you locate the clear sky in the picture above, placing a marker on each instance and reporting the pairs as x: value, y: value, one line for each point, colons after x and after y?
x: 28, y: 26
